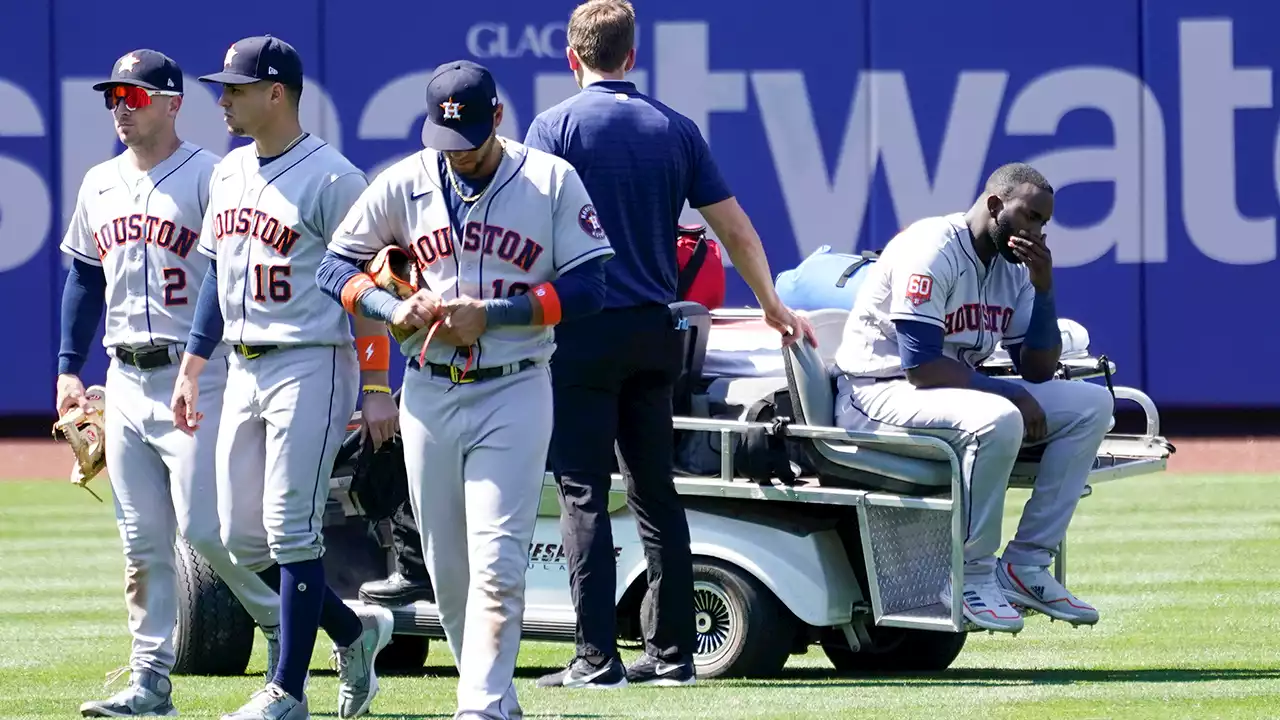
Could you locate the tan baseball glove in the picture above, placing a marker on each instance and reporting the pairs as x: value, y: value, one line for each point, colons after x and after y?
x: 394, y: 270
x: 85, y: 431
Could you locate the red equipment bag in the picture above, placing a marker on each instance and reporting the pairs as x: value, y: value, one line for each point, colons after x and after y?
x: 701, y: 267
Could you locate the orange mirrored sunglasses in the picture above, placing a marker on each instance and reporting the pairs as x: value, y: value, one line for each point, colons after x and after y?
x: 134, y: 97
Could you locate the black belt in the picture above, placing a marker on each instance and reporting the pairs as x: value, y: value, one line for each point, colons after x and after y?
x: 145, y: 358
x: 454, y: 373
x: 250, y: 352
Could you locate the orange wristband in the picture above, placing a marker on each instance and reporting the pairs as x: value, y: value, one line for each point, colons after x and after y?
x: 354, y: 288
x: 375, y: 352
x: 546, y: 303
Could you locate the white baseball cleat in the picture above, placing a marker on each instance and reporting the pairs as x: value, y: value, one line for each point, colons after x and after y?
x: 271, y: 703
x: 1036, y: 588
x: 357, y: 681
x: 148, y: 694
x: 984, y: 605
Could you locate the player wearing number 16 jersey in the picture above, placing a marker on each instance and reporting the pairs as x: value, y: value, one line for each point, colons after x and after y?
x: 292, y: 380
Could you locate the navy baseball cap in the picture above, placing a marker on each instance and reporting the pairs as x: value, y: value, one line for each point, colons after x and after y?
x: 145, y: 68
x: 261, y: 57
x: 461, y: 98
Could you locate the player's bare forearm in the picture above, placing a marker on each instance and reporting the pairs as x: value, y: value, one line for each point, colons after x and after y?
x: 738, y: 236
x: 1038, y: 366
x: 943, y: 372
x: 192, y: 365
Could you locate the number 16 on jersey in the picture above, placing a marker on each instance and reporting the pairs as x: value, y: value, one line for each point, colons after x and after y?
x: 271, y: 281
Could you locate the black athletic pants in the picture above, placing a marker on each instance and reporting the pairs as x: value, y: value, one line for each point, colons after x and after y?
x: 613, y: 375
x: 407, y: 544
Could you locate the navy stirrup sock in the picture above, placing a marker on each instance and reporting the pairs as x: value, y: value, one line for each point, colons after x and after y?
x: 340, y: 623
x: 301, y: 597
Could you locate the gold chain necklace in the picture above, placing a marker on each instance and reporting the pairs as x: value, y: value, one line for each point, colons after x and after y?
x: 453, y: 181
x: 295, y: 142
x: 458, y: 188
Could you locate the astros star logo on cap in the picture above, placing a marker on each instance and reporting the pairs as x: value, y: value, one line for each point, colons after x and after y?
x: 231, y: 52
x: 452, y: 110
x: 127, y: 62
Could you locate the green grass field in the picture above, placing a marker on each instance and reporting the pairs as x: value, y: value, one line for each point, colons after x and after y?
x: 1182, y: 568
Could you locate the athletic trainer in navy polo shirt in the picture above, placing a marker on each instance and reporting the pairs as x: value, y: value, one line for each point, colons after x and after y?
x: 640, y: 161
x: 613, y: 372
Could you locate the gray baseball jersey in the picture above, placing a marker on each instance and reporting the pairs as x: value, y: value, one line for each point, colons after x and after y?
x: 142, y: 229
x: 535, y: 223
x: 930, y: 273
x: 267, y: 228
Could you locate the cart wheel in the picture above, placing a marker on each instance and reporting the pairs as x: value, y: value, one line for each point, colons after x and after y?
x: 742, y: 629
x: 894, y: 649
x: 404, y: 655
x: 214, y: 634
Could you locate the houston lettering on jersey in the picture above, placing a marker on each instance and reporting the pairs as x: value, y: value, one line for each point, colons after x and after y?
x: 253, y: 223
x: 494, y: 240
x: 972, y: 317
x: 150, y: 229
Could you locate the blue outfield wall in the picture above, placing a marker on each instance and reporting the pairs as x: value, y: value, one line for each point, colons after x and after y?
x: 835, y: 123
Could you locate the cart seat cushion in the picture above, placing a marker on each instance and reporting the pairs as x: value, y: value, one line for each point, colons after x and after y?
x: 813, y: 402
x: 748, y: 347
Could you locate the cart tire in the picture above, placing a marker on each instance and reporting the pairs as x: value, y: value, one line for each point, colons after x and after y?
x: 894, y: 649
x: 214, y: 634
x: 404, y: 655
x: 742, y: 628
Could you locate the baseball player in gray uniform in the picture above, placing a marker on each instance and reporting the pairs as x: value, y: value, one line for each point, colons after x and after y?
x: 293, y: 373
x: 507, y: 244
x: 132, y: 243
x: 944, y: 292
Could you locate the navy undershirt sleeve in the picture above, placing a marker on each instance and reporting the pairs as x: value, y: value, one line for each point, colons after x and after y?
x: 83, y: 300
x: 336, y: 270
x: 581, y: 292
x: 206, y: 327
x: 1042, y: 328
x: 918, y: 342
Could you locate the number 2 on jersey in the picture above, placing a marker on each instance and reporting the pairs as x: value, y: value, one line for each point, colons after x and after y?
x: 517, y: 288
x: 273, y: 281
x: 175, y: 281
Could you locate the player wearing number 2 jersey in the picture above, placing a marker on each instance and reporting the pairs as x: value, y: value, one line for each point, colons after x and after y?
x: 945, y: 291
x: 293, y: 373
x: 132, y: 241
x: 507, y: 244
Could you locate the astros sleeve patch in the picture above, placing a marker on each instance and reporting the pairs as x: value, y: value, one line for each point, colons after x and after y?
x: 919, y: 289
x: 920, y: 284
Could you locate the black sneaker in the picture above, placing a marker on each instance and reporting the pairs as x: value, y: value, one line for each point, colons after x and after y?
x: 582, y: 673
x: 649, y: 670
